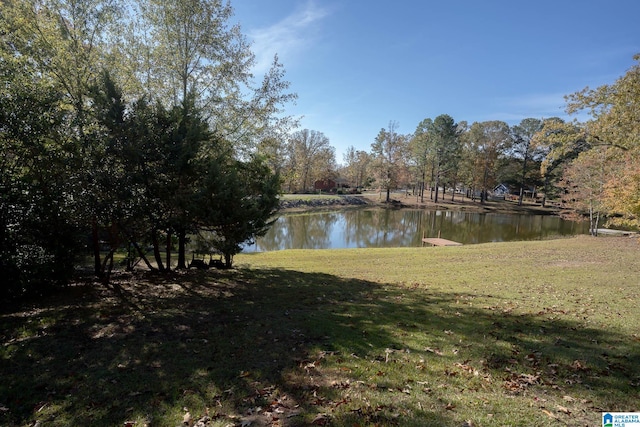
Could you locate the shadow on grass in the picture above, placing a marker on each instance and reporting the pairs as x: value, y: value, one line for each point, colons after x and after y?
x: 245, y: 344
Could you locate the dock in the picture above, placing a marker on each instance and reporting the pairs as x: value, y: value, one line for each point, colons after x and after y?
x: 437, y: 241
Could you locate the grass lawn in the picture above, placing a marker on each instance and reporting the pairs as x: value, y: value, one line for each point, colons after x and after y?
x: 541, y: 333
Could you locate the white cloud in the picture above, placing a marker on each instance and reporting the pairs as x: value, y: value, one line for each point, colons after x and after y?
x: 287, y: 38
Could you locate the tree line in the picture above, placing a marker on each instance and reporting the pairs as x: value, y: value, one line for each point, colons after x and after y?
x: 588, y: 168
x: 139, y: 123
x: 130, y: 123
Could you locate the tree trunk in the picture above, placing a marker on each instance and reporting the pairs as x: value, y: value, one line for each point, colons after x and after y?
x: 228, y: 260
x: 524, y: 177
x: 95, y: 237
x: 182, y: 240
x: 156, y: 249
x: 142, y: 256
x: 168, y: 251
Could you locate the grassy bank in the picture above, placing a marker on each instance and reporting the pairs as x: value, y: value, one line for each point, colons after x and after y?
x: 518, y: 334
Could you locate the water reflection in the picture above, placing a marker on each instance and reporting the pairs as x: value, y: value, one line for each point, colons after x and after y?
x: 405, y: 227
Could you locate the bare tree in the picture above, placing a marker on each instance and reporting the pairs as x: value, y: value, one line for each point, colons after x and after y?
x: 310, y: 157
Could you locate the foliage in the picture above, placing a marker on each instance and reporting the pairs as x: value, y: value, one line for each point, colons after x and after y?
x: 242, y: 207
x: 584, y: 182
x: 524, y: 149
x: 486, y: 143
x: 310, y: 157
x: 357, y: 165
x: 93, y: 158
x: 39, y: 197
x: 445, y: 151
x: 388, y: 150
x: 615, y: 123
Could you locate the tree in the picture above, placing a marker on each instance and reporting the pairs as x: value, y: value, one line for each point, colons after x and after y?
x: 615, y: 123
x: 584, y: 181
x: 388, y: 151
x: 524, y: 149
x: 188, y: 48
x: 445, y: 149
x: 356, y: 165
x: 486, y: 142
x: 421, y: 151
x: 311, y: 157
x: 238, y: 202
x: 559, y: 143
x: 40, y: 238
x: 65, y: 41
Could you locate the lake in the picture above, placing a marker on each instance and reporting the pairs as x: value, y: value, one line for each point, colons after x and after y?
x: 367, y: 228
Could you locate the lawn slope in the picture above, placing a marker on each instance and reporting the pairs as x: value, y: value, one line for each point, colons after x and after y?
x: 534, y: 333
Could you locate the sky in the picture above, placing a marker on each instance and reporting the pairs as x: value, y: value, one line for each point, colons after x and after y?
x: 358, y: 65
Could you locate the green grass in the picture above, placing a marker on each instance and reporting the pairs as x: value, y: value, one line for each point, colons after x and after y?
x: 506, y: 334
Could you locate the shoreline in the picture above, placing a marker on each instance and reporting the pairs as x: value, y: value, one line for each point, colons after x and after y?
x: 308, y: 203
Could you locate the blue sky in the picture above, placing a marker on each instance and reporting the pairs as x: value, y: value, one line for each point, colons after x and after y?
x: 356, y: 65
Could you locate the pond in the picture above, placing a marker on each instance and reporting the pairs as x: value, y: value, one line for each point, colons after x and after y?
x: 368, y: 228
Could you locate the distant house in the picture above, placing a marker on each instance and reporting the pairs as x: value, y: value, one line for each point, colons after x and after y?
x: 330, y: 185
x: 501, y: 190
x: 324, y: 185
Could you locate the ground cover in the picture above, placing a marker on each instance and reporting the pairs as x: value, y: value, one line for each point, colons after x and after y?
x: 534, y: 333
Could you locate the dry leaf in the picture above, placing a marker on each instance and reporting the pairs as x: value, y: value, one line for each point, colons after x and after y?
x: 320, y: 420
x: 186, y: 420
x: 564, y: 410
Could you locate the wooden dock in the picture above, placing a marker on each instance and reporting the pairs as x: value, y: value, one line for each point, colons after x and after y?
x: 437, y: 241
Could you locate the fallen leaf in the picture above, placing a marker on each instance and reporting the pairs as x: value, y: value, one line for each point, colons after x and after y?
x: 186, y: 420
x: 564, y: 410
x: 435, y: 351
x: 320, y: 420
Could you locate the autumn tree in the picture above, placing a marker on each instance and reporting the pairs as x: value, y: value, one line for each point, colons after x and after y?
x: 584, y: 181
x: 310, y: 157
x: 615, y: 123
x: 525, y: 150
x: 357, y: 166
x: 388, y: 151
x: 420, y: 148
x: 558, y: 143
x: 486, y: 143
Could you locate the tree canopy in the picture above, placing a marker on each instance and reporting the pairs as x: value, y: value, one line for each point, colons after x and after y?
x: 129, y: 123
